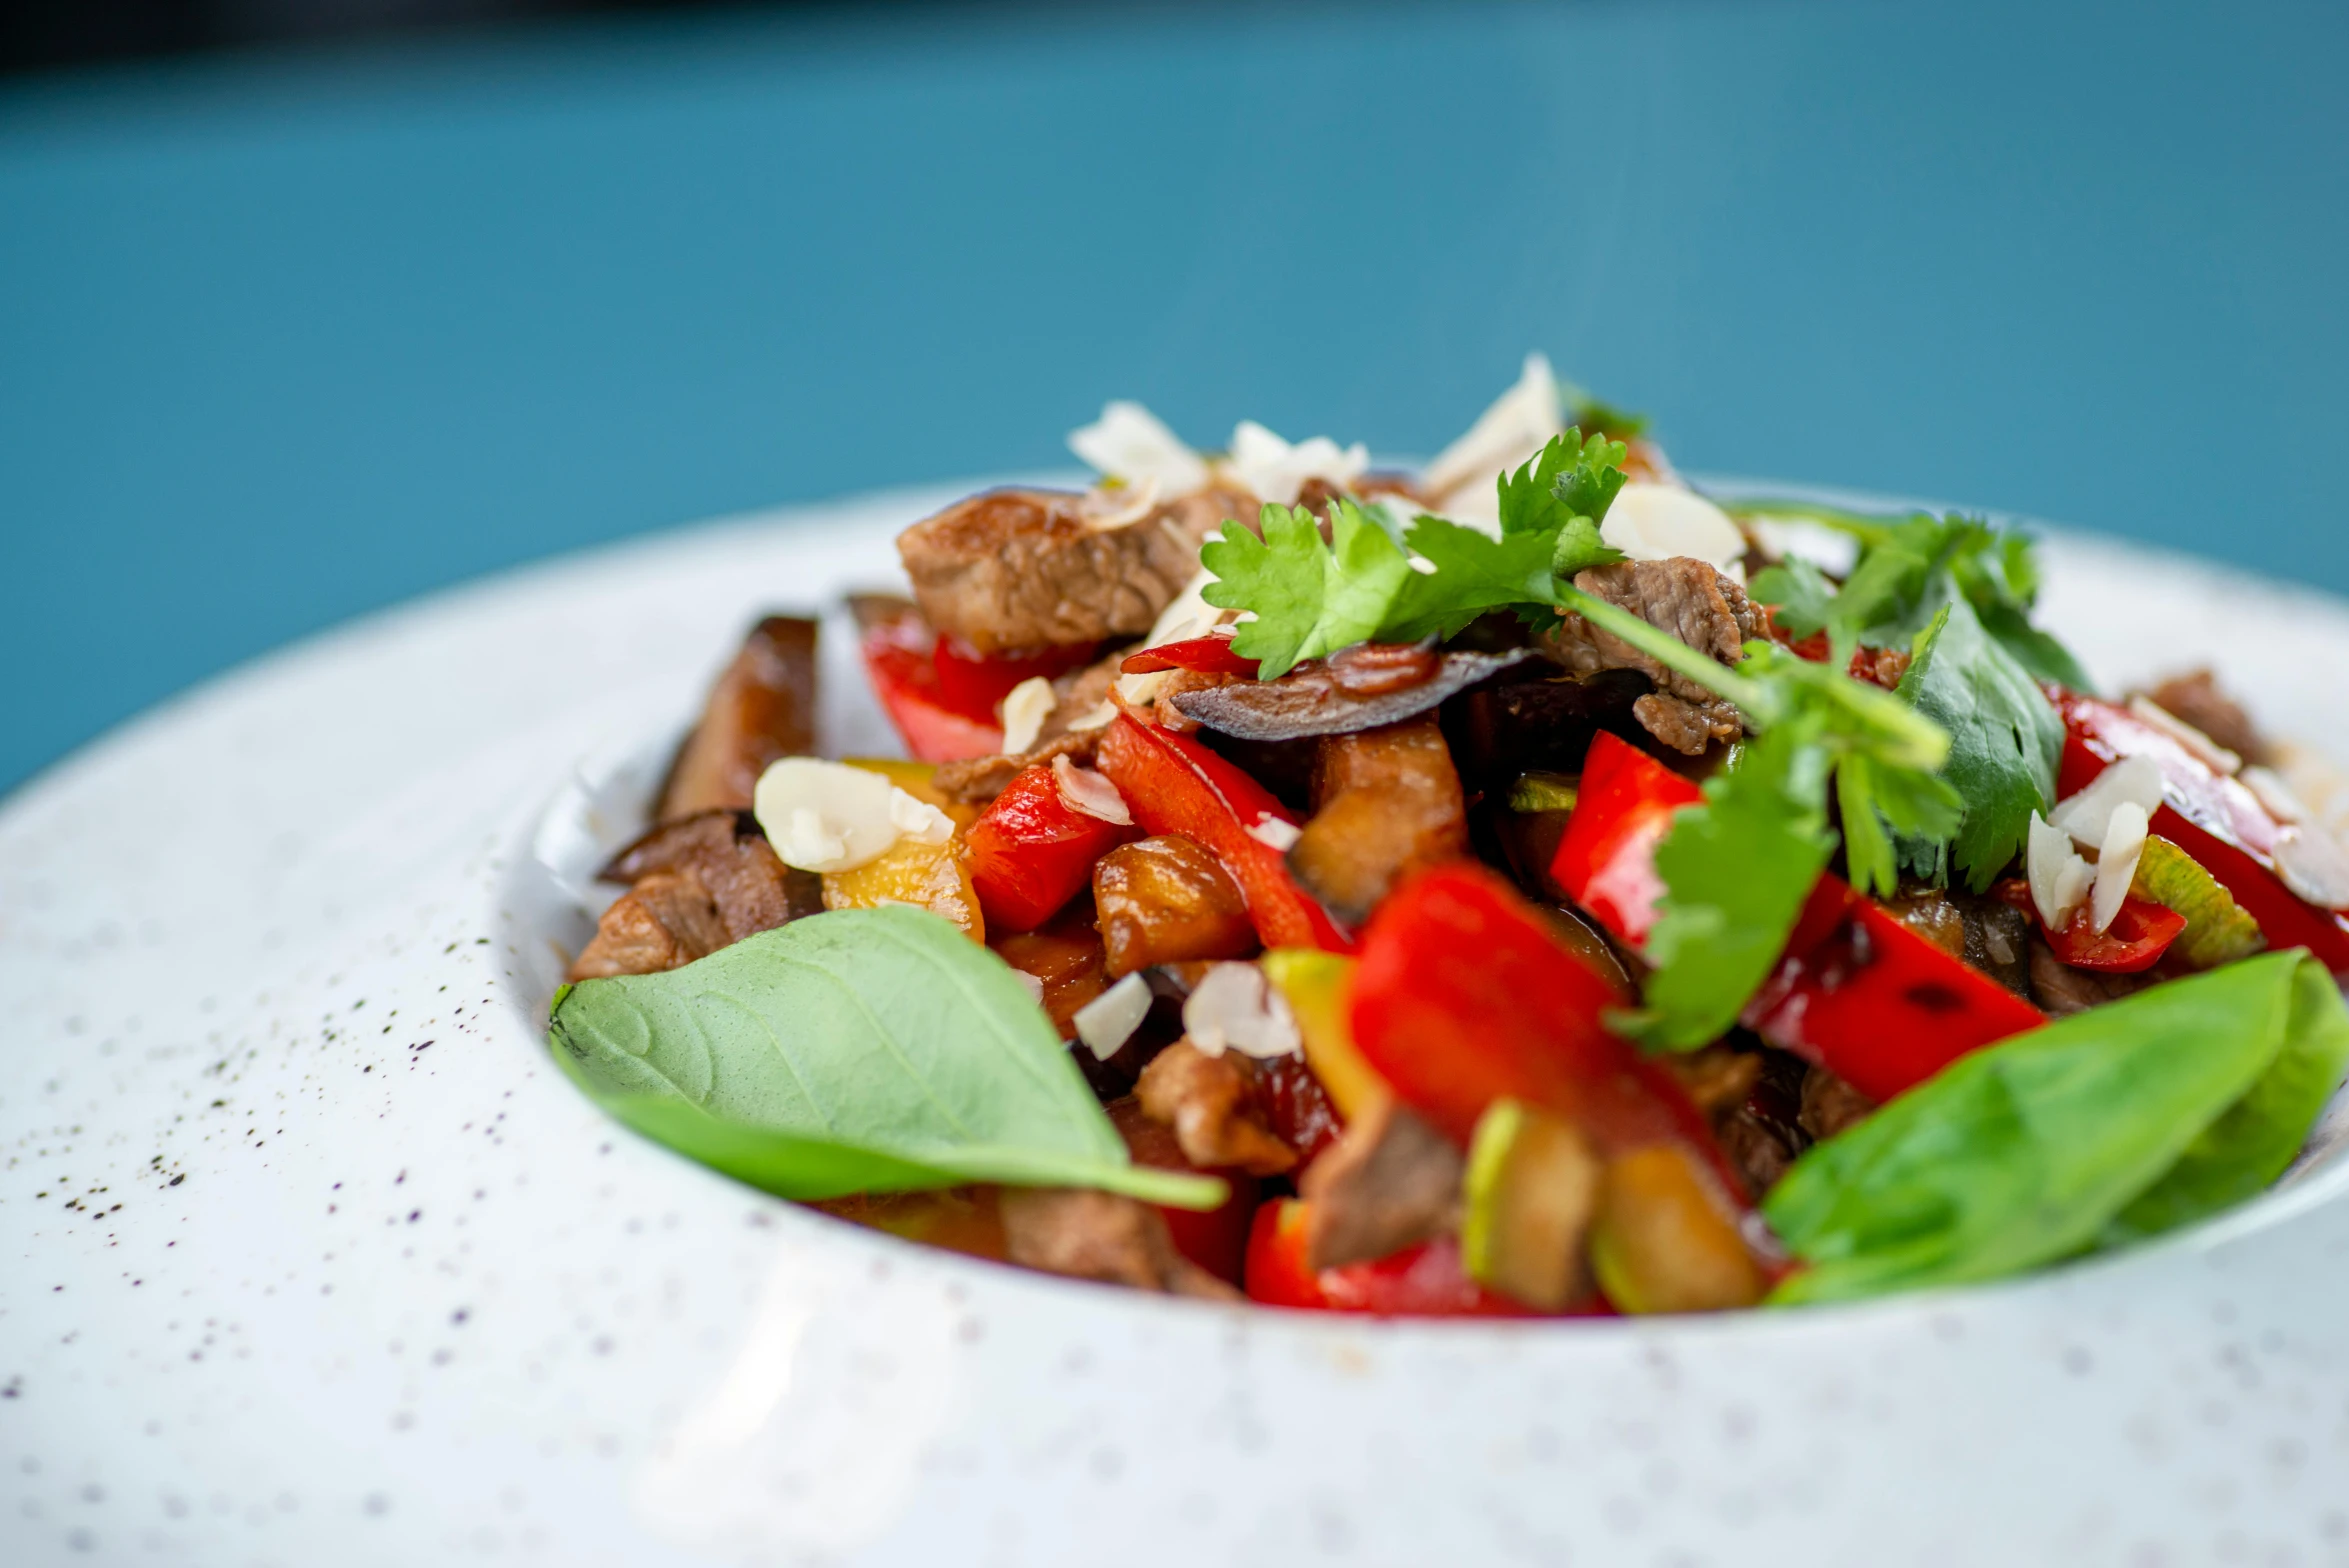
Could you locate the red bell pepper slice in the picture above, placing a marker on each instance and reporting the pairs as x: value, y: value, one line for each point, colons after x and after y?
x: 943, y: 699
x: 1174, y: 784
x: 2139, y: 934
x: 1209, y: 655
x: 1882, y: 1008
x: 2210, y: 816
x: 1856, y: 992
x: 1422, y: 1281
x: 1031, y: 851
x: 1607, y: 859
x: 1462, y: 996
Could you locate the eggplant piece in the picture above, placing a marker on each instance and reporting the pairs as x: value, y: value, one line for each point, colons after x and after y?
x: 762, y: 708
x: 665, y: 922
x: 1322, y: 700
x: 1390, y: 802
x: 1165, y: 900
x: 1508, y: 728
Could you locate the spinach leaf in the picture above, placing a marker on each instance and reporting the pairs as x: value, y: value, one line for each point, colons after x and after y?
x: 2247, y: 1148
x: 2025, y: 1151
x: 863, y: 1050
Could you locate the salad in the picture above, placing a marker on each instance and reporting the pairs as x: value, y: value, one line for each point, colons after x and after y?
x: 1522, y: 887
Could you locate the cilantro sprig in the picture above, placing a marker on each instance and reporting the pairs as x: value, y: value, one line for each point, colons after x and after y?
x: 1943, y: 588
x: 1738, y: 866
x: 1376, y: 582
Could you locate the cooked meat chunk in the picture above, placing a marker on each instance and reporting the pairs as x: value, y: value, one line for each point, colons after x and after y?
x: 1028, y: 568
x: 1830, y: 1105
x: 1997, y: 940
x: 728, y: 852
x: 1100, y: 1236
x: 1683, y: 596
x: 1390, y: 1182
x: 1212, y: 1105
x: 1686, y: 726
x: 960, y: 1219
x: 2197, y: 698
x: 762, y: 708
x: 1165, y: 900
x: 664, y: 922
x: 2061, y: 990
x: 1389, y: 803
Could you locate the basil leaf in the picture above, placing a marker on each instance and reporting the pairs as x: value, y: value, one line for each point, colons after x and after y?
x: 863, y: 1050
x: 2246, y: 1149
x: 2024, y: 1152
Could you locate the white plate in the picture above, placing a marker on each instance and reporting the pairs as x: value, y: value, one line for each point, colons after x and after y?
x: 312, y: 1256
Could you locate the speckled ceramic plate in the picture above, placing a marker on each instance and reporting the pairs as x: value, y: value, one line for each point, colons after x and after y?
x: 309, y: 1255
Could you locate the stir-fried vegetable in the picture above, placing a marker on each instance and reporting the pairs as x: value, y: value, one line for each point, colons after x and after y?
x: 1414, y: 916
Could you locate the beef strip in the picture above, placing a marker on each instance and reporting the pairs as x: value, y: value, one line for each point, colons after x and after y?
x: 664, y: 922
x: 763, y: 707
x: 1685, y: 726
x: 1387, y: 803
x: 1211, y: 1103
x: 1389, y: 1182
x: 2061, y: 990
x: 2197, y: 698
x: 729, y: 853
x: 1830, y: 1105
x: 1997, y: 940
x: 1100, y: 1236
x: 1016, y: 569
x: 1685, y: 597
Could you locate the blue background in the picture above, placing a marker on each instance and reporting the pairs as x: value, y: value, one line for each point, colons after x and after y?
x: 285, y: 339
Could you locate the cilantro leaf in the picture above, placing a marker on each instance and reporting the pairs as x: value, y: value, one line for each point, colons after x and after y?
x: 1737, y: 869
x: 1308, y: 598
x: 1568, y: 478
x: 1800, y: 597
x: 2004, y: 739
x: 1473, y: 572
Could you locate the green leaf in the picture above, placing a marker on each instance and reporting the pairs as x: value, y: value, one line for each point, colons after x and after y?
x: 1580, y: 548
x: 1308, y: 598
x: 2245, y: 1150
x: 1474, y: 572
x: 1737, y: 868
x: 2024, y: 1152
x: 1568, y: 478
x: 1800, y: 597
x: 2004, y: 739
x: 865, y: 1050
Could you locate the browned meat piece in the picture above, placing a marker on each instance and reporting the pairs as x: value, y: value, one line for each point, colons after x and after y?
x: 1762, y: 1134
x: 1331, y: 698
x: 2061, y: 990
x: 1685, y: 597
x: 1029, y: 568
x: 1165, y: 900
x: 1685, y: 726
x: 1389, y: 803
x: 1389, y: 1182
x: 1100, y: 1236
x: 665, y: 922
x: 1212, y: 1105
x: 1998, y: 940
x: 729, y: 853
x: 1830, y: 1105
x: 2197, y: 698
x: 762, y: 708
